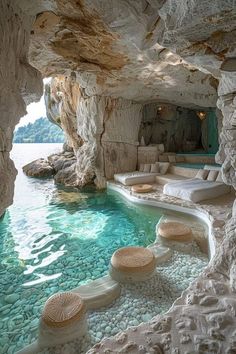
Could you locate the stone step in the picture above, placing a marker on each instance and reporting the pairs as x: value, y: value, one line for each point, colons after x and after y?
x: 99, y: 293
x: 161, y: 253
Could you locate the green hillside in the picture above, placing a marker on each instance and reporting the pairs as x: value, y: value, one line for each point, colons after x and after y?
x: 41, y: 131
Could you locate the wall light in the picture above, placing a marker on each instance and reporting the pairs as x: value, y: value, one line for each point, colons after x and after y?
x: 159, y: 108
x: 201, y: 115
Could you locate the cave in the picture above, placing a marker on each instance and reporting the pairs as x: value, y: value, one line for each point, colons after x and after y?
x: 129, y: 76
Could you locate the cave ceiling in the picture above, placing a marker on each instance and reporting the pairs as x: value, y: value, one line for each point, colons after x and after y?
x: 141, y: 50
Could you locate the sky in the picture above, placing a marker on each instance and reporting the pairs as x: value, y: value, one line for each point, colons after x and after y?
x: 34, y: 110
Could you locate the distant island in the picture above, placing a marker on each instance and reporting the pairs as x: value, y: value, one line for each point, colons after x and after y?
x: 41, y: 131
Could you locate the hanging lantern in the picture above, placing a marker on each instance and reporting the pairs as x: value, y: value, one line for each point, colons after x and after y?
x: 201, y: 115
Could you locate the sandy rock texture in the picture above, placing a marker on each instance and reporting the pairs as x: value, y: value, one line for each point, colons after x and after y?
x: 103, y: 131
x: 20, y: 84
x: 62, y: 166
x: 112, y: 49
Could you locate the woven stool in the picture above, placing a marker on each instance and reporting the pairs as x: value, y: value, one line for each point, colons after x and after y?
x: 175, y: 231
x: 130, y: 264
x: 141, y: 188
x: 63, y: 319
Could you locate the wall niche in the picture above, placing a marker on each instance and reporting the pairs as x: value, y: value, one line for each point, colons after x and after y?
x: 180, y: 129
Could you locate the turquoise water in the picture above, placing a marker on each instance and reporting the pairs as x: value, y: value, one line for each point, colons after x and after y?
x: 54, y: 239
x: 194, y: 165
x: 194, y: 153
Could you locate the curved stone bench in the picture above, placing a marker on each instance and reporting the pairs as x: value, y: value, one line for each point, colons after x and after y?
x: 161, y: 253
x: 175, y: 231
x: 63, y: 319
x: 130, y: 264
x: 98, y: 293
x: 141, y: 188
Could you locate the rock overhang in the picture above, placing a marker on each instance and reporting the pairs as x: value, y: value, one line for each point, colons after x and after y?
x: 106, y: 46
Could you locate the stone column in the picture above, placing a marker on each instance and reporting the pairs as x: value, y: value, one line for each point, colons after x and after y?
x: 20, y: 84
x: 109, y: 130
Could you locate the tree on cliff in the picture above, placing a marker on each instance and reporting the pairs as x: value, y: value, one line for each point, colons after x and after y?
x: 41, y: 131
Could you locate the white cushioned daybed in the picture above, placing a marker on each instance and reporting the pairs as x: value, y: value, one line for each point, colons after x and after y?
x: 130, y: 178
x: 146, y: 174
x: 198, y: 189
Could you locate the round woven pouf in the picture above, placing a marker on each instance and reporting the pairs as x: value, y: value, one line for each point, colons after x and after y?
x: 131, y: 264
x: 63, y: 319
x: 141, y: 188
x: 175, y: 231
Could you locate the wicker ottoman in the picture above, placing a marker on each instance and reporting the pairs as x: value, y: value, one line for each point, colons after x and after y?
x: 175, y: 231
x: 63, y: 319
x: 141, y: 188
x: 131, y: 264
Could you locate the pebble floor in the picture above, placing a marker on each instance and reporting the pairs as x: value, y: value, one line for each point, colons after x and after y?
x: 141, y: 301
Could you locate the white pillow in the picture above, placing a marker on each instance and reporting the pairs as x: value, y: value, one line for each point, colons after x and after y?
x: 219, y: 177
x: 163, y: 158
x: 160, y: 147
x: 141, y: 167
x: 212, y: 175
x: 154, y: 168
x: 171, y: 158
x: 212, y: 167
x: 147, y: 167
x: 202, y: 174
x: 163, y: 167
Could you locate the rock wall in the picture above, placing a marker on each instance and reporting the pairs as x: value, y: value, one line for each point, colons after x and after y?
x: 103, y: 131
x: 20, y: 84
x: 178, y: 128
x: 227, y: 104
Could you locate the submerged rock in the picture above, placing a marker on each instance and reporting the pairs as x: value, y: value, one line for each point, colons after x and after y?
x: 39, y: 168
x: 12, y: 298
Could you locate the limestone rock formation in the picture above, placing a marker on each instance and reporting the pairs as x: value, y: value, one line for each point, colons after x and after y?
x: 20, y: 84
x: 62, y: 166
x: 38, y: 168
x: 115, y: 56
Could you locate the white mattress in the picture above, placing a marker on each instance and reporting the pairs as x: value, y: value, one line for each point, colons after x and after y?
x: 196, y: 190
x: 136, y: 177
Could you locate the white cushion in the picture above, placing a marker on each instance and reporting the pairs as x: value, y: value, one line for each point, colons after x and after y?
x: 212, y: 175
x: 202, y: 174
x: 141, y: 167
x: 161, y: 147
x: 212, y: 167
x: 163, y: 158
x: 196, y: 190
x: 171, y: 158
x: 154, y: 168
x: 147, y: 167
x: 163, y: 167
x: 136, y: 177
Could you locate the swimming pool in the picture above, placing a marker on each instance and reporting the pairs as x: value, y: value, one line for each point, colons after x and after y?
x: 60, y: 245
x: 54, y: 239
